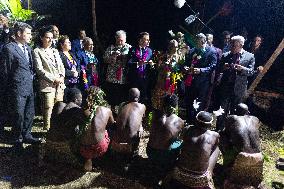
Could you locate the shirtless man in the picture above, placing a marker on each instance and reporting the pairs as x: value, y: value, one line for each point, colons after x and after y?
x: 164, y: 146
x: 240, y: 146
x: 126, y: 137
x: 93, y: 134
x: 199, y: 154
x: 66, y: 116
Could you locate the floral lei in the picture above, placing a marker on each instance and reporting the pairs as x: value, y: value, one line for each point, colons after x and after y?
x: 143, y: 58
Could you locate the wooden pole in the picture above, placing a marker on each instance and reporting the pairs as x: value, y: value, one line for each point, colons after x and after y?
x: 266, y: 67
x: 94, y: 18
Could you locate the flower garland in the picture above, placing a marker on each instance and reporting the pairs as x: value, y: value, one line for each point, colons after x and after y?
x: 195, y: 60
x: 123, y: 51
x: 72, y: 64
x: 142, y: 58
x: 84, y: 77
x: 93, y: 61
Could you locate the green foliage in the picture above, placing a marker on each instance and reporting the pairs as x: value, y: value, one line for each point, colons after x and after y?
x: 15, y: 10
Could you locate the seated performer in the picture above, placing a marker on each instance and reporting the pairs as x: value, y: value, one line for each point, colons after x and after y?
x: 240, y: 145
x: 93, y: 135
x: 126, y: 137
x: 66, y: 116
x: 199, y: 155
x: 164, y: 146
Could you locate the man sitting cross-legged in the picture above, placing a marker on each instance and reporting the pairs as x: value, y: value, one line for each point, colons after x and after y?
x: 199, y: 155
x: 93, y: 135
x: 65, y: 119
x: 240, y: 146
x: 164, y: 146
x: 126, y: 136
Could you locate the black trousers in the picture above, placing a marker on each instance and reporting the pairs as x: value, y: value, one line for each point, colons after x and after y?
x: 21, y: 115
x: 228, y: 101
x: 199, y: 92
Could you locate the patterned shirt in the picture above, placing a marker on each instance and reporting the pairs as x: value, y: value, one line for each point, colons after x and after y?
x: 116, y: 70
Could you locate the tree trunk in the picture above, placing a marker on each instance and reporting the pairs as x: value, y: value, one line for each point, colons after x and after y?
x: 94, y: 18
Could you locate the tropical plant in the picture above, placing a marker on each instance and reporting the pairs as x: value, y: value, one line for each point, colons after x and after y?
x: 15, y: 11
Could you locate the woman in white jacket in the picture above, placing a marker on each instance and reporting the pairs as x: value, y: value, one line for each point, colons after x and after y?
x: 51, y: 73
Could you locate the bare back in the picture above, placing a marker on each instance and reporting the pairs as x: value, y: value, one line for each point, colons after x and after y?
x: 198, y: 146
x: 96, y: 130
x: 243, y: 133
x: 164, y: 130
x: 129, y: 121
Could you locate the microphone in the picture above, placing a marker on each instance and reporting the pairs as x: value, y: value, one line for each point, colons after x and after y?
x: 191, y: 18
x: 179, y: 3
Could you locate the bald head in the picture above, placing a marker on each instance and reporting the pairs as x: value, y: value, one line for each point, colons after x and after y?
x: 241, y: 109
x: 134, y: 94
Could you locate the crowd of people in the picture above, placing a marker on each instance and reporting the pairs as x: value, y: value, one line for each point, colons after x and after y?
x: 91, y: 111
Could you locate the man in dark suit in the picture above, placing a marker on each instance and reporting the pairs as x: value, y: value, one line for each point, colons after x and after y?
x: 200, y: 64
x: 235, y: 67
x: 17, y: 82
x: 77, y: 44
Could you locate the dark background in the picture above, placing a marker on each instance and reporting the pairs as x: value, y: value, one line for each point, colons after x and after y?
x: 158, y: 16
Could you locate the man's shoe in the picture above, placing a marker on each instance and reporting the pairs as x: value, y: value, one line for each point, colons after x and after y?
x: 32, y: 140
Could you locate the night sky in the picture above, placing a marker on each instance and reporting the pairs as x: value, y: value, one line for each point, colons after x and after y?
x: 158, y: 16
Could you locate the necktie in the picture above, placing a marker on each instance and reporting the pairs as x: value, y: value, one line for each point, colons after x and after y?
x: 26, y: 52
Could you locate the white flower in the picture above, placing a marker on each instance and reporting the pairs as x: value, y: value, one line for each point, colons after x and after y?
x: 219, y: 112
x: 179, y: 3
x: 171, y: 33
x: 195, y: 104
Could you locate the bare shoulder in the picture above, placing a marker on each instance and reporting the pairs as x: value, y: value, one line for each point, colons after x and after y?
x: 213, y: 134
x: 103, y: 109
x: 254, y: 119
x: 141, y: 105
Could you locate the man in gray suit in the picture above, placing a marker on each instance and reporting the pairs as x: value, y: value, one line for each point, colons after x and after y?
x: 17, y: 82
x: 235, y: 67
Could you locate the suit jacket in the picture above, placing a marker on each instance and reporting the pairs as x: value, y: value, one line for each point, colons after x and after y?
x: 16, y: 72
x: 240, y: 85
x: 76, y: 46
x: 84, y: 61
x: 47, y: 69
x: 206, y: 63
x: 68, y: 73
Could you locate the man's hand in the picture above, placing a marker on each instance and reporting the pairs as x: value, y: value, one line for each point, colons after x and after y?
x: 260, y: 69
x: 196, y: 71
x: 226, y: 66
x: 239, y: 67
x: 196, y: 104
x: 219, y: 112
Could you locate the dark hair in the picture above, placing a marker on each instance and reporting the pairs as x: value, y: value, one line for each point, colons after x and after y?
x: 41, y: 34
x: 241, y: 109
x: 79, y: 31
x: 258, y: 35
x: 226, y: 33
x: 61, y: 41
x: 20, y: 26
x: 72, y: 94
x: 204, y: 119
x: 171, y: 100
x: 142, y: 34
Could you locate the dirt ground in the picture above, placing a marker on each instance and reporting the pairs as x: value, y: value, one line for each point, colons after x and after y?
x: 25, y: 171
